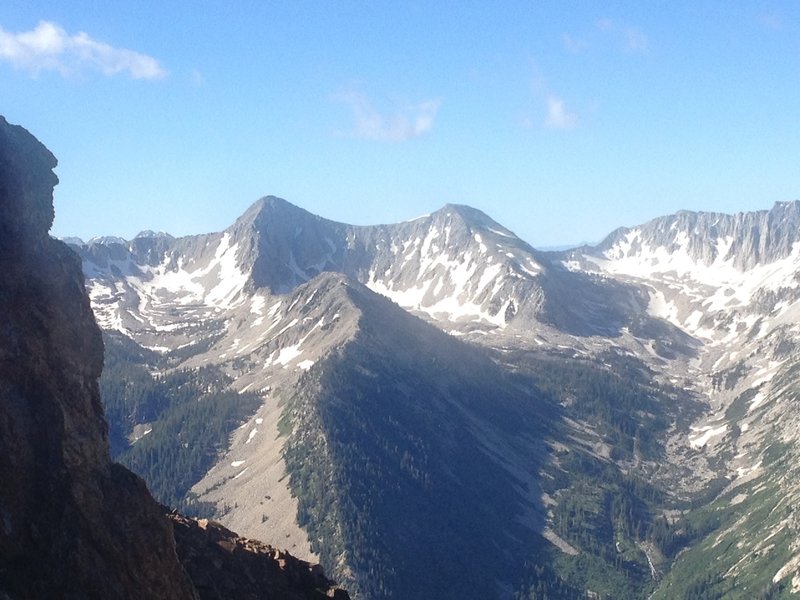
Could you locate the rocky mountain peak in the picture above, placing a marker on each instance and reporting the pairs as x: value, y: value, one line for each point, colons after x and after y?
x: 149, y: 233
x: 743, y: 239
x: 26, y: 187
x: 471, y: 218
x: 108, y: 240
x: 283, y: 245
x: 271, y: 211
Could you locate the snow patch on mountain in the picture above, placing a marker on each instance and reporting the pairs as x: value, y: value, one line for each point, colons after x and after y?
x: 428, y: 298
x: 288, y: 354
x: 731, y: 285
x: 158, y: 296
x: 227, y: 293
x: 706, y: 434
x: 694, y: 292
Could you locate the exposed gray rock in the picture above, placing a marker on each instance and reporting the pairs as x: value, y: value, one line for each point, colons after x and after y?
x: 751, y: 238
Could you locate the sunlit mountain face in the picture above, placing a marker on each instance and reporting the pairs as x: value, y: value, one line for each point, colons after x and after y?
x: 436, y: 409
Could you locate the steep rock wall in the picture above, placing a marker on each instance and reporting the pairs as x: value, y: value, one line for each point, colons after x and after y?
x: 72, y: 524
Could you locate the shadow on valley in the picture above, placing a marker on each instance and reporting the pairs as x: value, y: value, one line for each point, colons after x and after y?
x: 412, y: 456
x: 427, y: 467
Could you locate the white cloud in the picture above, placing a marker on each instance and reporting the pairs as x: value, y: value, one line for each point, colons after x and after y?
x: 404, y: 123
x: 632, y: 38
x: 558, y: 116
x: 49, y: 47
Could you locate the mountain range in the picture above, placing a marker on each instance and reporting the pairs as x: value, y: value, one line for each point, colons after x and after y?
x: 435, y: 409
x: 73, y: 523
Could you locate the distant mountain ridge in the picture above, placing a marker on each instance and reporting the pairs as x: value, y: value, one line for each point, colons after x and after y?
x: 649, y: 374
x: 747, y: 239
x: 455, y: 265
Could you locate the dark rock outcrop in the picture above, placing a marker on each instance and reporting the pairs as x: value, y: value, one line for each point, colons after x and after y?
x: 224, y: 565
x: 72, y: 523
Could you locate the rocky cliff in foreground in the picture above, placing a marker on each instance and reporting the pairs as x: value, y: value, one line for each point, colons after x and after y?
x: 223, y: 565
x: 72, y: 523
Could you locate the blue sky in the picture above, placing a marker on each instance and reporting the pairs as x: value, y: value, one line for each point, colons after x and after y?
x: 561, y: 120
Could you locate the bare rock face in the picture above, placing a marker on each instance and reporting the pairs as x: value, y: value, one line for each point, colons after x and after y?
x: 225, y: 566
x: 26, y: 186
x: 72, y: 524
x: 747, y: 239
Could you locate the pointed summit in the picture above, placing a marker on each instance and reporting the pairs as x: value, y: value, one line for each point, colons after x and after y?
x: 285, y: 245
x: 472, y: 218
x: 267, y: 209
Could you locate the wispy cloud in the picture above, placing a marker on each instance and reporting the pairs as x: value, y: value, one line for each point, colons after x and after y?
x: 48, y: 47
x: 631, y: 37
x: 551, y: 110
x: 401, y: 124
x: 558, y: 115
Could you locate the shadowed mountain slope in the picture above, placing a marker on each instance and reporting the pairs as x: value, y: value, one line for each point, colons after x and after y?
x: 74, y: 524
